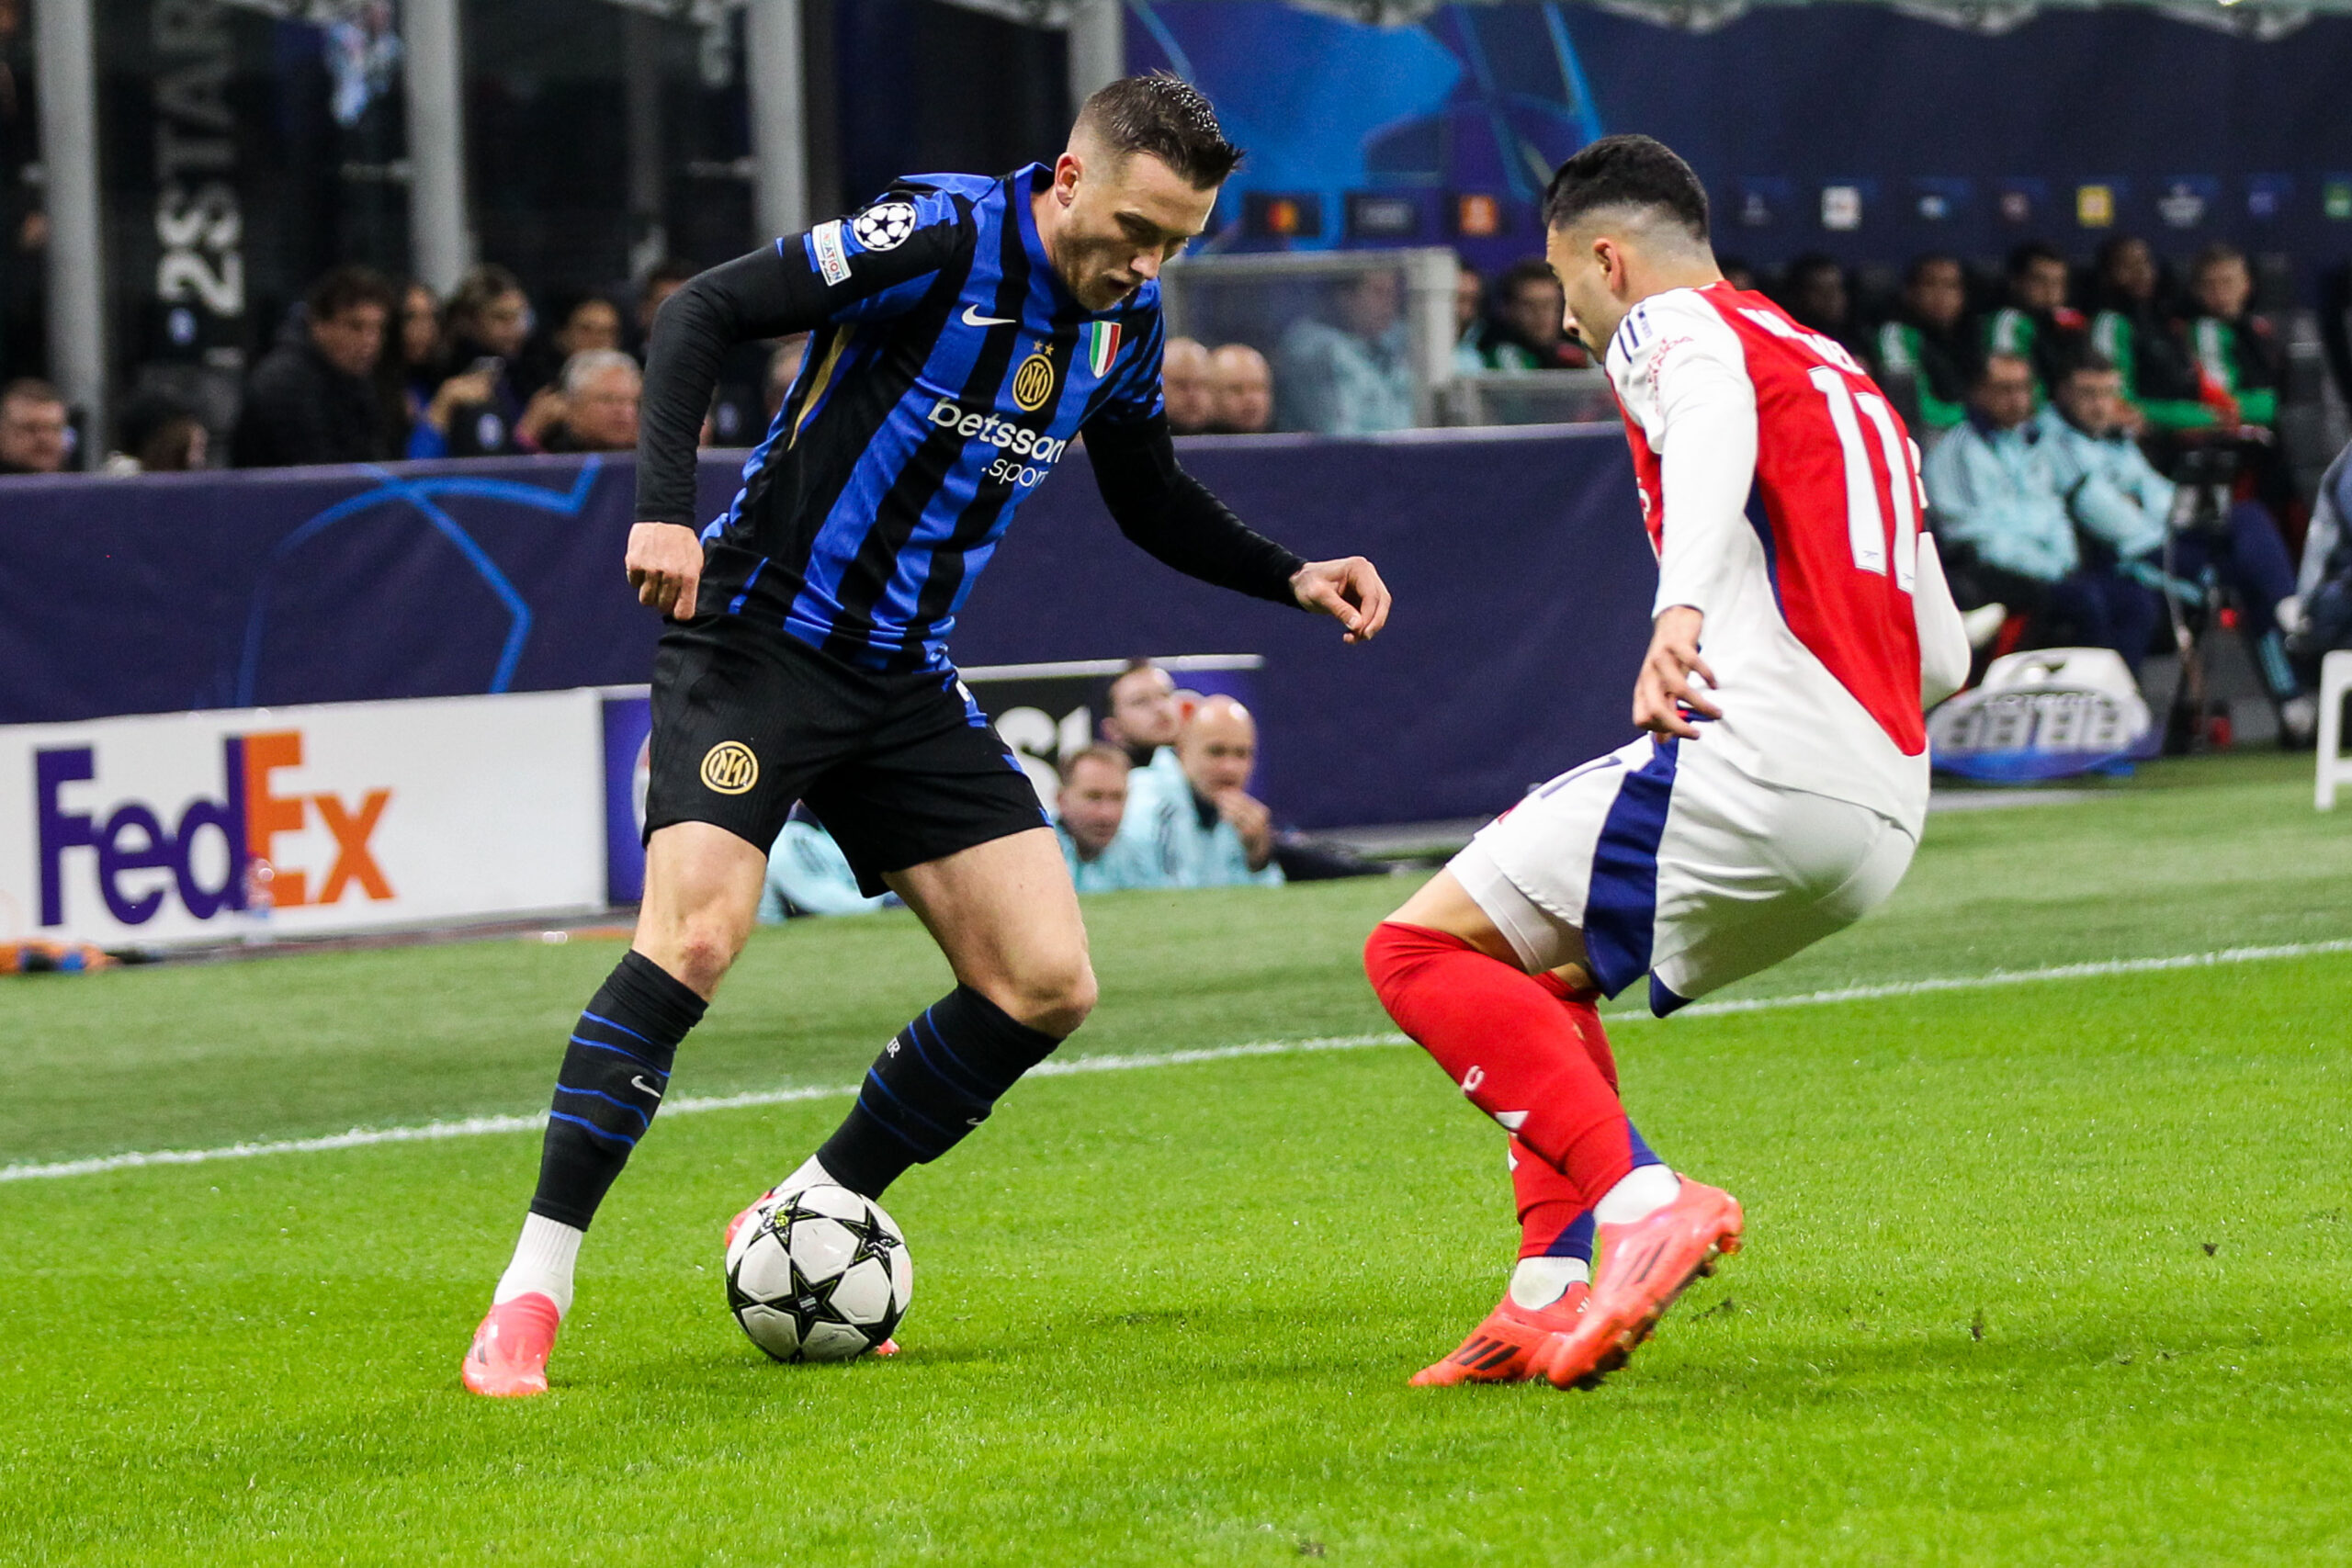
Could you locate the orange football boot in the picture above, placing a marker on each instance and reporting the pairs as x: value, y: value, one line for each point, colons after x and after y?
x: 509, y: 1357
x: 1503, y: 1348
x: 1639, y: 1269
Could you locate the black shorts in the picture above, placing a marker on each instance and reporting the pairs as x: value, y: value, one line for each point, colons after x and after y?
x: 902, y: 769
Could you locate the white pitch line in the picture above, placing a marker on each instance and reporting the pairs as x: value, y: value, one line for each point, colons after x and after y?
x: 475, y: 1126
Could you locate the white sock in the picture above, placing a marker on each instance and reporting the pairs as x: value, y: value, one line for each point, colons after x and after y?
x: 543, y: 1260
x: 1644, y: 1190
x: 1537, y: 1283
x: 810, y: 1174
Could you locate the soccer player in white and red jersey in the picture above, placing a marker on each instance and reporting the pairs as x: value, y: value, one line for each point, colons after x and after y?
x: 1800, y: 627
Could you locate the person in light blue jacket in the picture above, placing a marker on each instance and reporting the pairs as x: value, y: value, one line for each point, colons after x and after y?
x: 2115, y: 495
x: 808, y: 874
x: 2000, y: 515
x: 1208, y: 832
x: 1090, y: 819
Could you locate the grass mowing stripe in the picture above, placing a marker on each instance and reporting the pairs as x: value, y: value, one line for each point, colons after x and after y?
x: 475, y: 1126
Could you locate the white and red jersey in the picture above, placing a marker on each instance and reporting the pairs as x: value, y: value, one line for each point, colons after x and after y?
x: 1781, y: 492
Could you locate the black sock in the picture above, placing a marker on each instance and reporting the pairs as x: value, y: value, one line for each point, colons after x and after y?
x: 610, y: 1085
x: 930, y: 1085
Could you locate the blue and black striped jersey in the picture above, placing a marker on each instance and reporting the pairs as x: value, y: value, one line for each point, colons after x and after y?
x: 946, y: 381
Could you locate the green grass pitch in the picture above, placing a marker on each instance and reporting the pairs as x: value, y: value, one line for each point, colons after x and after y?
x: 2044, y: 1272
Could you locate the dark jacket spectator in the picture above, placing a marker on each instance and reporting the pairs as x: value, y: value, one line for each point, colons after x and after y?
x: 1525, y: 327
x: 2129, y: 332
x: 2236, y: 358
x: 1814, y: 290
x: 312, y: 399
x: 1928, y: 348
x: 160, y: 436
x: 2036, y: 324
x: 475, y: 409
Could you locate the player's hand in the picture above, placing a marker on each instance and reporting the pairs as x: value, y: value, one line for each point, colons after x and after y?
x: 666, y: 567
x: 1664, y: 688
x: 1349, y: 590
x: 1252, y: 822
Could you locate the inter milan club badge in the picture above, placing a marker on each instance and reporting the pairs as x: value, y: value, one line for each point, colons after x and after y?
x: 1032, y: 382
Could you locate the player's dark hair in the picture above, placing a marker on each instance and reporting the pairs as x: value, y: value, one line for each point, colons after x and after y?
x: 344, y: 289
x: 2023, y: 259
x: 1627, y: 171
x: 1167, y: 118
x: 2090, y: 362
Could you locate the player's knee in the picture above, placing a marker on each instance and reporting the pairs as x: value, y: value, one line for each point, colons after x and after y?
x: 701, y: 950
x: 1054, y: 996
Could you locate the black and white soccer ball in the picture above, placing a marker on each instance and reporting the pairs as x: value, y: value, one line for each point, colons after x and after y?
x: 818, y: 1274
x: 884, y: 226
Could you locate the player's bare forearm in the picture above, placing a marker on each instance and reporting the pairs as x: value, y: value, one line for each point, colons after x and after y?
x: 1348, y: 590
x: 666, y: 567
x: 1664, y: 689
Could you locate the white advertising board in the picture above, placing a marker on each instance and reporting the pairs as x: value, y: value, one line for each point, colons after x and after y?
x: 216, y: 826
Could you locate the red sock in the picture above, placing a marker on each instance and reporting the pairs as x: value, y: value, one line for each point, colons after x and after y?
x: 1549, y: 1207
x: 1583, y: 1004
x: 1516, y: 1052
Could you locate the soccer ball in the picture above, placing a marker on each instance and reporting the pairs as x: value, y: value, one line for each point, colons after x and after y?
x: 818, y: 1274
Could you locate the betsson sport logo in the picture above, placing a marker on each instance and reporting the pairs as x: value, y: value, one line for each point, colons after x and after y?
x: 209, y: 847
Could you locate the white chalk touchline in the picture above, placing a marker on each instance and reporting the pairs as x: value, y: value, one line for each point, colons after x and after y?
x: 473, y: 1126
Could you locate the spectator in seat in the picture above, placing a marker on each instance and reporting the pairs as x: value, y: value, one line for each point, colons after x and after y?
x: 2036, y: 324
x: 34, y: 435
x: 2321, y: 618
x: 1351, y: 374
x: 1184, y: 385
x: 592, y: 408
x: 417, y: 362
x: 1088, y: 812
x: 312, y: 399
x: 2119, y: 500
x: 1145, y: 716
x: 664, y: 279
x: 808, y: 874
x: 584, y: 322
x: 1469, y: 317
x: 1927, y: 343
x: 2129, y: 333
x: 2001, y: 526
x: 1211, y: 832
x: 2234, y: 357
x: 160, y: 434
x: 1526, y: 328
x: 1241, y: 391
x: 1816, y: 295
x: 474, y: 411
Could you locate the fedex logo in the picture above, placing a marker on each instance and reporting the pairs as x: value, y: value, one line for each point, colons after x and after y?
x: 209, y: 846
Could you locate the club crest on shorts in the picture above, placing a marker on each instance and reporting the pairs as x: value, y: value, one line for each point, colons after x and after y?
x: 1033, y: 383
x: 729, y: 768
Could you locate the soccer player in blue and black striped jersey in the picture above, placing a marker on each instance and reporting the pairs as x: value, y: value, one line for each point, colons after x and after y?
x: 966, y: 330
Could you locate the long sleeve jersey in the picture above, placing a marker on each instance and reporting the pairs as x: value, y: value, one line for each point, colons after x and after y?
x: 1781, y: 494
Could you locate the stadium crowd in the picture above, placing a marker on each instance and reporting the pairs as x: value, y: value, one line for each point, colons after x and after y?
x: 2103, y: 448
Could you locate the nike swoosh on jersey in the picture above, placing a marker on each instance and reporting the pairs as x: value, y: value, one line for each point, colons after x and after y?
x: 973, y: 319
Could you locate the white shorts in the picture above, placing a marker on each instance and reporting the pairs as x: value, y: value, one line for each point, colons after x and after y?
x: 1661, y: 858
